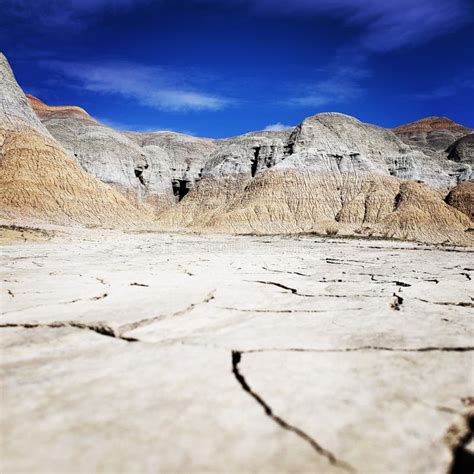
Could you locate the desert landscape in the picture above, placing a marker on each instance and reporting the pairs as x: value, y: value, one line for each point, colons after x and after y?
x: 188, y: 353
x: 292, y: 300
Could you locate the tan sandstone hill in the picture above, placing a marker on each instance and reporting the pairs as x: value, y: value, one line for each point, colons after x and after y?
x: 40, y: 181
x: 295, y: 201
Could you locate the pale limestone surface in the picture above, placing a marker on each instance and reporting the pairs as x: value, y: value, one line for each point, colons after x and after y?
x: 188, y: 353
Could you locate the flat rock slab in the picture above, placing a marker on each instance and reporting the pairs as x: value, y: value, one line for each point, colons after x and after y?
x: 178, y: 353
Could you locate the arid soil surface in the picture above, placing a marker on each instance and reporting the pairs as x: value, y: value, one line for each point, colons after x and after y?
x: 180, y: 354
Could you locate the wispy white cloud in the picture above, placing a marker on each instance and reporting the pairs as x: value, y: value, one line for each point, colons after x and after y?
x: 134, y: 127
x: 276, y: 127
x: 385, y: 24
x: 150, y: 86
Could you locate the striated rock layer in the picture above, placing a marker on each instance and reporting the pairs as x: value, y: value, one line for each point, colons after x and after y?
x: 292, y: 201
x: 335, y: 143
x: 39, y: 180
x: 330, y: 174
x: 432, y: 133
x: 141, y: 174
x: 462, y: 198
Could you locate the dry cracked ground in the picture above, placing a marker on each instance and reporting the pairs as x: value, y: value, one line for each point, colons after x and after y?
x: 185, y: 354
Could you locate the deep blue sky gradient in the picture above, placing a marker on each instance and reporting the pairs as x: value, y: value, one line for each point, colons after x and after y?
x: 220, y: 68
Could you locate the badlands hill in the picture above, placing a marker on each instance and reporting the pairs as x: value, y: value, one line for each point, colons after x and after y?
x: 330, y: 174
x: 432, y: 133
x: 39, y: 180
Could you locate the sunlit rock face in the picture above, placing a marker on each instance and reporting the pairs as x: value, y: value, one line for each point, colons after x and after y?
x: 332, y: 173
x: 39, y: 180
x: 140, y: 173
x: 335, y: 143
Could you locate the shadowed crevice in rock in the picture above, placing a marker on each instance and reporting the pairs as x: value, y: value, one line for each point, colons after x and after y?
x: 139, y: 175
x: 236, y: 359
x: 254, y: 162
x: 181, y: 187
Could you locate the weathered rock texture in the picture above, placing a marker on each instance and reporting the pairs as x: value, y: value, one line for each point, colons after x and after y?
x: 462, y: 150
x: 462, y: 198
x: 335, y: 143
x: 290, y: 201
x: 183, y: 155
x: 332, y: 173
x: 38, y: 179
x: 140, y: 173
x: 432, y: 133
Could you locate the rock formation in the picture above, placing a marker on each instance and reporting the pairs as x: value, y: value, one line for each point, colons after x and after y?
x: 462, y: 150
x: 330, y: 174
x: 183, y: 155
x: 139, y: 173
x: 462, y: 198
x: 39, y: 180
x: 431, y: 133
x: 334, y: 143
x: 291, y: 201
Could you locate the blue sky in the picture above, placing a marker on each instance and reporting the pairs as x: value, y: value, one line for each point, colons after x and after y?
x: 224, y: 67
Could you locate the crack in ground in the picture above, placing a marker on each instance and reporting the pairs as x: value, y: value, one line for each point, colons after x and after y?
x: 244, y: 310
x: 464, y: 304
x: 395, y: 282
x: 98, y: 327
x: 236, y: 359
x: 105, y: 329
x: 93, y: 298
x: 147, y: 321
x: 284, y: 271
x: 294, y: 291
x: 337, y: 261
x: 368, y: 349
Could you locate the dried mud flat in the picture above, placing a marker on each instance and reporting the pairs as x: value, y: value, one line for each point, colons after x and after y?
x: 179, y: 353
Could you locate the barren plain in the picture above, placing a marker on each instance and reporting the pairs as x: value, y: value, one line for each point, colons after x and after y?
x: 181, y: 353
